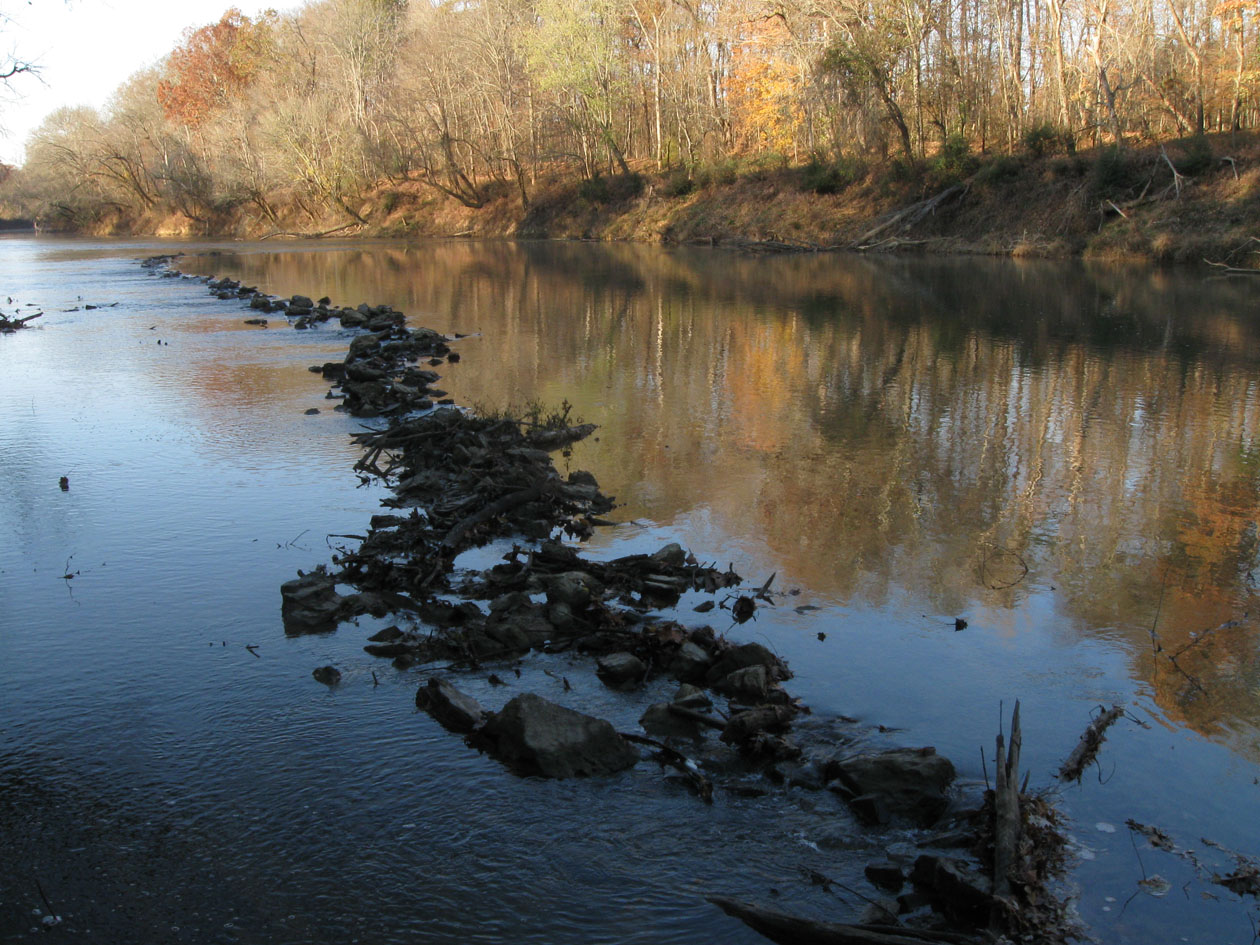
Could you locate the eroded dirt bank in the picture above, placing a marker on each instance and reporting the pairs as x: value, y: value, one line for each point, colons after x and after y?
x: 1186, y: 201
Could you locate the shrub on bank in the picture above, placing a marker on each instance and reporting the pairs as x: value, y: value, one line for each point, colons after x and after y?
x: 1046, y: 139
x: 600, y: 189
x: 831, y: 177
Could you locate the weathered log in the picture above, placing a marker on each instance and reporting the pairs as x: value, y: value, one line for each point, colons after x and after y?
x: 793, y: 930
x: 1007, y: 822
x: 1086, y: 749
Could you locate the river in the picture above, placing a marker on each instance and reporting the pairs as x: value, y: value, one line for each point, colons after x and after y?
x: 1065, y: 455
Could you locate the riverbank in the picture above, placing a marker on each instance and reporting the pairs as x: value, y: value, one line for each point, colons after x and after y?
x: 1181, y: 202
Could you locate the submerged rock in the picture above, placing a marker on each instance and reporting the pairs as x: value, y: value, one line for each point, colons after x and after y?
x: 535, y: 736
x: 328, y: 675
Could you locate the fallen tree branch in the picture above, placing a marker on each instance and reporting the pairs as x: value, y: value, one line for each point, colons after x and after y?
x: 1087, y: 748
x: 793, y: 930
x: 909, y: 216
x: 679, y: 762
x: 1232, y: 270
x: 455, y: 536
x: 1175, y: 173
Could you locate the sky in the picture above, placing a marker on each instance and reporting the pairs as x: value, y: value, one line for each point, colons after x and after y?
x: 86, y: 49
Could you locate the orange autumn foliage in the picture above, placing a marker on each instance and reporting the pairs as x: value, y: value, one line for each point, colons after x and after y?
x: 213, y: 66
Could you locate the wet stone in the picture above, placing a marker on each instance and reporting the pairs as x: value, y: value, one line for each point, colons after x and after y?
x: 690, y: 663
x: 621, y: 670
x: 328, y: 675
x: 660, y: 721
x: 573, y: 588
x: 535, y: 736
x: 885, y: 875
x: 310, y: 603
x: 903, y: 782
x: 452, y: 709
x: 743, y: 727
x: 963, y: 891
x: 692, y: 697
x: 744, y: 655
x: 749, y: 685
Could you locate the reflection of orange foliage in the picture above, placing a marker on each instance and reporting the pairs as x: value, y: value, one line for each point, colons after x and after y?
x: 213, y: 65
x: 764, y: 360
x: 763, y: 90
x: 874, y: 445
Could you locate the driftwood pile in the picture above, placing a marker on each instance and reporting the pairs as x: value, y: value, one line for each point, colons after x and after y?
x: 9, y: 325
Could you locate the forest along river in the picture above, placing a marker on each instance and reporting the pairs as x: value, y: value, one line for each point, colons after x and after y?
x: 895, y: 439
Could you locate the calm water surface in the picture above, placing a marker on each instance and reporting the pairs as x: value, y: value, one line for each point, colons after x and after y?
x: 1065, y: 455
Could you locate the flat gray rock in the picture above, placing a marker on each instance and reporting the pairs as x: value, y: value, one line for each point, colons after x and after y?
x: 535, y: 736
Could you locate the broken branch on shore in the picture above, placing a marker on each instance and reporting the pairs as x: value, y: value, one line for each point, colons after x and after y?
x: 907, y: 217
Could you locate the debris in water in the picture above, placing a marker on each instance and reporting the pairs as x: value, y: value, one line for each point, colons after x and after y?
x: 328, y: 675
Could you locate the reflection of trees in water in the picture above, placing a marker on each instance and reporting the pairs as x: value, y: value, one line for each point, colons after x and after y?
x: 889, y: 423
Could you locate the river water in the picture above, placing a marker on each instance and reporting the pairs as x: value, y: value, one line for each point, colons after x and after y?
x: 1067, y: 456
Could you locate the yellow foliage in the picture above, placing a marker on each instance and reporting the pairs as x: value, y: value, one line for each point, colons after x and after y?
x: 764, y: 91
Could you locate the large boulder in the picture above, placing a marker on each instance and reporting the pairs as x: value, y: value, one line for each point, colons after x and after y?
x: 535, y: 736
x: 903, y: 782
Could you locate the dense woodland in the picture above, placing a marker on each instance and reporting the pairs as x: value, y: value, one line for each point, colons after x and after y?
x: 301, y: 115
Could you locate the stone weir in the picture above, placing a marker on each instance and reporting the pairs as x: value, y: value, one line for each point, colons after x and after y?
x: 459, y: 481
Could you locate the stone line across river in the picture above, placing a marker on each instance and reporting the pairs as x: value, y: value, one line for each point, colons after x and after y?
x: 460, y: 481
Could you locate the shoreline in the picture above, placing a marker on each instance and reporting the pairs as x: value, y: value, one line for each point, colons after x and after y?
x: 1101, y: 205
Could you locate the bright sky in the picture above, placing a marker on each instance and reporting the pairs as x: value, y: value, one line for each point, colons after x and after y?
x: 87, y: 48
